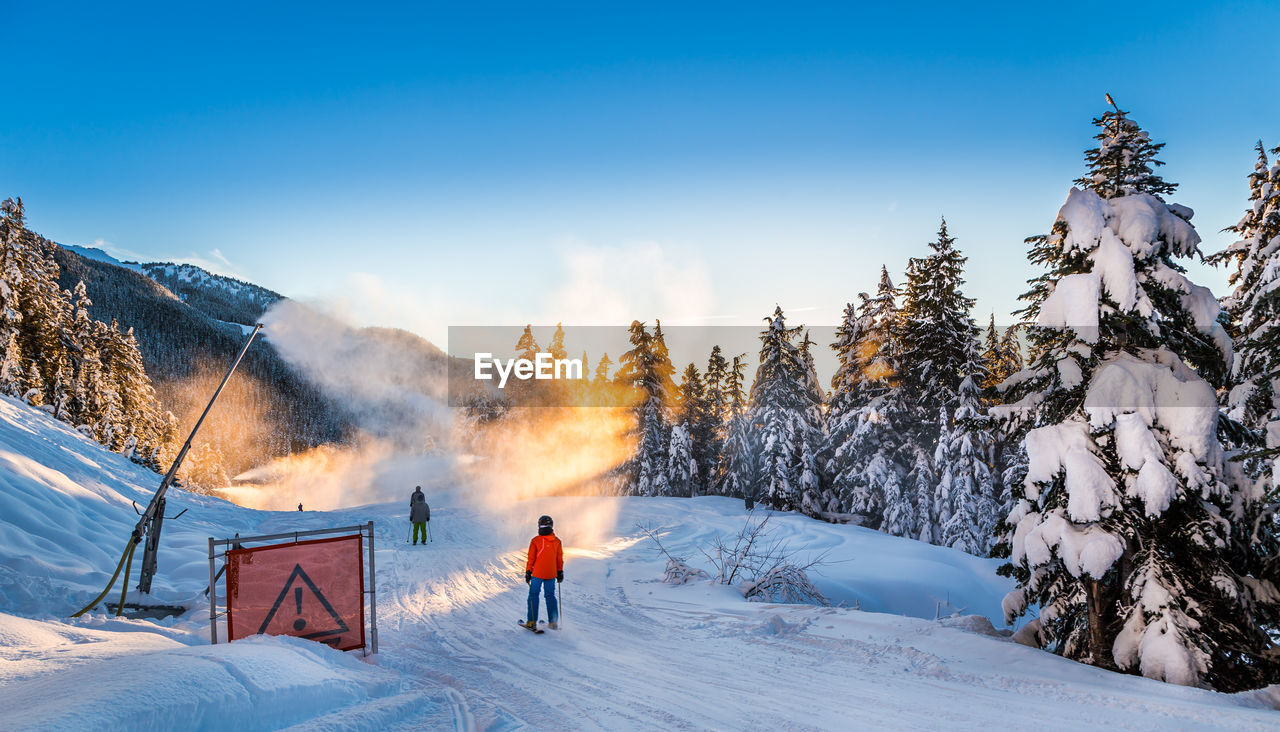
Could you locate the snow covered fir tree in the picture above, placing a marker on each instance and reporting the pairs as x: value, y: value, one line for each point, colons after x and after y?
x: 1252, y: 312
x: 910, y: 372
x: 785, y: 414
x: 646, y: 369
x: 966, y: 504
x: 55, y: 356
x: 867, y: 416
x: 1134, y: 531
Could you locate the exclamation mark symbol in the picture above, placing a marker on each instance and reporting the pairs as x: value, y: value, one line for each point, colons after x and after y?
x: 298, y: 624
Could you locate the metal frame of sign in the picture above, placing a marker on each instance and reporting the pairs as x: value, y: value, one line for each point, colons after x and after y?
x: 370, y: 587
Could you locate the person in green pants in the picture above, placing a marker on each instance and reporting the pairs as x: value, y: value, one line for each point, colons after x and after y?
x: 419, y: 514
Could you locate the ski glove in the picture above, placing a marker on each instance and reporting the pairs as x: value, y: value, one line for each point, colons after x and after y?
x: 560, y: 576
x: 528, y: 577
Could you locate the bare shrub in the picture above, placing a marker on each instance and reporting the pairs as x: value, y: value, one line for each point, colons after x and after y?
x: 760, y: 566
x: 784, y: 583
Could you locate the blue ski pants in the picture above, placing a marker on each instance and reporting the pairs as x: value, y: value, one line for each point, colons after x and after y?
x: 547, y: 588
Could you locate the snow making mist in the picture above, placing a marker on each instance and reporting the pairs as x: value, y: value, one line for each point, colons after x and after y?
x: 394, y: 385
x: 556, y: 460
x: 390, y: 384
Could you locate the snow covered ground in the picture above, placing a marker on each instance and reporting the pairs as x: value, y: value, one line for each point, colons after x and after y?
x: 633, y: 653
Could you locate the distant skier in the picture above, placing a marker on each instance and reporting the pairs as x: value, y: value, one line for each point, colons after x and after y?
x: 545, y: 563
x: 419, y: 514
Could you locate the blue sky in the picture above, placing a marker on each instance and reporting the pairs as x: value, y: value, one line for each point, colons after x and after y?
x: 451, y: 165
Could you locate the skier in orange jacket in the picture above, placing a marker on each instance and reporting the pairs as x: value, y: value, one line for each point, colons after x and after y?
x: 545, y: 563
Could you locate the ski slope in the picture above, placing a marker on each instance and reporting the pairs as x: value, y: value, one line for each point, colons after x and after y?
x: 633, y: 653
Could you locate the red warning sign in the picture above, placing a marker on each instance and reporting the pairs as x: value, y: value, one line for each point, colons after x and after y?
x: 309, y: 589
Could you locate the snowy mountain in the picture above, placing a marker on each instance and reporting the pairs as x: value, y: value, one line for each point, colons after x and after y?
x: 186, y: 351
x: 100, y: 256
x: 219, y: 297
x: 633, y: 652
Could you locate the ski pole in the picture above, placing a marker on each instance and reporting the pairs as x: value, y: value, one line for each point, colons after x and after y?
x: 429, y: 531
x: 406, y: 536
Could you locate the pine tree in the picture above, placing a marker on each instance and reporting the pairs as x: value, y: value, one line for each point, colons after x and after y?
x: 1011, y: 350
x: 663, y: 367
x: 691, y: 396
x: 694, y: 417
x: 40, y: 331
x: 942, y: 493
x: 123, y: 397
x: 1002, y: 359
x: 61, y: 396
x: 736, y: 470
x: 991, y: 353
x: 137, y: 394
x: 968, y: 511
x: 735, y: 390
x: 1253, y: 311
x: 1126, y: 531
x: 868, y: 468
x: 93, y: 404
x: 847, y: 399
x: 717, y: 402
x: 650, y: 474
x: 1124, y: 161
x: 205, y: 470
x: 12, y: 375
x: 12, y: 236
x: 602, y: 369
x: 899, y: 504
x: 923, y: 479
x: 527, y: 347
x: 1253, y: 317
x: 642, y: 368
x: 86, y: 375
x: 936, y: 331
x: 782, y: 414
x: 682, y: 468
x: 814, y: 496
x: 557, y: 349
x: 1001, y: 356
x: 57, y: 357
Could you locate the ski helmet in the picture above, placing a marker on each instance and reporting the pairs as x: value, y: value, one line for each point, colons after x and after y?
x: 544, y: 521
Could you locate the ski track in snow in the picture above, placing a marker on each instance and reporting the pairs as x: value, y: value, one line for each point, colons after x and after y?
x: 634, y: 653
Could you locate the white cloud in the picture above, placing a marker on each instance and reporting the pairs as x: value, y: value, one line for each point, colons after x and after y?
x: 370, y: 300
x: 613, y: 285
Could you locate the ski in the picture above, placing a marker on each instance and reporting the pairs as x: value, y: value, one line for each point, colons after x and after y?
x: 539, y: 631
